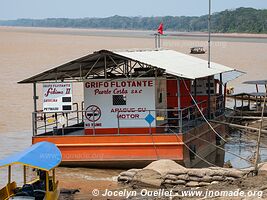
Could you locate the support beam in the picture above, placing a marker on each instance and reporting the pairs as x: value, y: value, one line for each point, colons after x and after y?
x: 105, y: 63
x: 238, y: 126
x: 24, y: 175
x: 54, y: 179
x: 87, y: 74
x: 256, y: 167
x: 47, y: 181
x: 221, y: 84
x: 9, y: 174
x: 180, y: 121
x: 209, y: 99
x: 34, y: 121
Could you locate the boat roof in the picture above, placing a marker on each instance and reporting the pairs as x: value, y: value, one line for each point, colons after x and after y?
x: 96, y: 64
x: 256, y: 82
x: 42, y: 155
x: 254, y: 94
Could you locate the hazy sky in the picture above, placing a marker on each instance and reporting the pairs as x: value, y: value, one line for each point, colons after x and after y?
x: 13, y: 9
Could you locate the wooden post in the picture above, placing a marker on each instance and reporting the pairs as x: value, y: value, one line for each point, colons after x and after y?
x: 9, y: 174
x: 248, y: 102
x: 54, y: 179
x: 47, y: 181
x: 179, y: 112
x: 35, y: 97
x: 24, y: 175
x: 209, y: 99
x: 224, y: 99
x: 259, y: 136
x: 221, y: 83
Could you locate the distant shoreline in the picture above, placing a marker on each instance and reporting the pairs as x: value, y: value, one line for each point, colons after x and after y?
x: 133, y: 33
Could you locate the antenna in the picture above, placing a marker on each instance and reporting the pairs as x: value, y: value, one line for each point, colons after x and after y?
x: 209, y: 25
x: 209, y: 19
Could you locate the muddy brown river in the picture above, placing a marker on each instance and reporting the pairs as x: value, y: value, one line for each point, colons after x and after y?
x: 27, y: 51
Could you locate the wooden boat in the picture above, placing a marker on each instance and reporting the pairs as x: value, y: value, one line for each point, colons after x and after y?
x: 248, y: 104
x: 43, y: 157
x: 137, y: 107
x: 197, y: 50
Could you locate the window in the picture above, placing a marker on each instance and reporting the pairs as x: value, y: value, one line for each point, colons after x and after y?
x: 66, y: 99
x: 66, y: 107
x: 160, y: 97
x: 119, y: 100
x: 211, y: 85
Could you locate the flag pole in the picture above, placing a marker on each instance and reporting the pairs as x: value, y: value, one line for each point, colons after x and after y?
x: 209, y: 98
x: 209, y: 26
x: 158, y: 40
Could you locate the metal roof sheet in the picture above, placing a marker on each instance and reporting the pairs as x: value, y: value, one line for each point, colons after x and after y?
x: 178, y: 64
x: 258, y: 82
x: 173, y: 62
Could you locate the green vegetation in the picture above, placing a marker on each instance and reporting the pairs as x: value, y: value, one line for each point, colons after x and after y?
x: 241, y: 20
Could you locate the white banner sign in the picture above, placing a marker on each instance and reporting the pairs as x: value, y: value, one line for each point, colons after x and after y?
x: 57, y: 97
x: 123, y: 103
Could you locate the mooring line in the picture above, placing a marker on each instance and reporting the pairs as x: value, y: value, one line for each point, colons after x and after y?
x: 202, y: 113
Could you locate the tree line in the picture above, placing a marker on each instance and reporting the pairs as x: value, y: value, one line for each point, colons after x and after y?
x: 240, y: 20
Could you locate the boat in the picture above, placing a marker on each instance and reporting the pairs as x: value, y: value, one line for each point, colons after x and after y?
x: 250, y: 103
x: 197, y: 50
x: 137, y: 106
x: 42, y: 157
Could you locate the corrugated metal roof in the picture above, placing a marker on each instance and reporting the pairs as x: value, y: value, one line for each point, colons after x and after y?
x: 172, y: 62
x: 258, y: 82
x: 178, y: 64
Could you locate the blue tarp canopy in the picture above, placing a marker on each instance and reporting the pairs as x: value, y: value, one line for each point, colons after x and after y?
x: 42, y: 155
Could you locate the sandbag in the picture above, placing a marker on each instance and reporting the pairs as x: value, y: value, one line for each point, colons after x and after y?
x: 171, y: 177
x: 196, y: 172
x: 218, y: 178
x: 147, y: 178
x: 192, y: 184
x: 164, y: 166
x: 183, y: 177
x: 124, y: 179
x: 128, y: 173
x: 202, y: 183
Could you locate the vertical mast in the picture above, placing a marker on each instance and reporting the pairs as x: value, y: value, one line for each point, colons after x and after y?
x: 209, y: 24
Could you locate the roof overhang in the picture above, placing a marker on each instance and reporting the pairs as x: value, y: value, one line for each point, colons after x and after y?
x: 107, y: 63
x: 42, y: 155
x: 256, y: 82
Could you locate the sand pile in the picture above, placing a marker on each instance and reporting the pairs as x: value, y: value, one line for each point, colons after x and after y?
x: 169, y: 174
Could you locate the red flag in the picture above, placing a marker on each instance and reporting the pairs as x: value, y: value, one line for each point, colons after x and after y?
x: 160, y: 29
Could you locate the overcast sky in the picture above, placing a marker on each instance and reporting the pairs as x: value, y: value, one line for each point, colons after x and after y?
x: 13, y: 9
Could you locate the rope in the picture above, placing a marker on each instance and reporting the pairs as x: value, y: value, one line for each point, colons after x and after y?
x: 202, y: 113
x: 154, y: 145
x: 201, y: 158
x: 221, y: 148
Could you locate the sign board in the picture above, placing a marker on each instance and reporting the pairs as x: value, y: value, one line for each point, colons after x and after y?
x: 57, y: 97
x: 123, y: 103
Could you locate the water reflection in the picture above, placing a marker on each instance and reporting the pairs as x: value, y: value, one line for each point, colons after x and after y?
x: 244, y: 147
x: 13, y: 142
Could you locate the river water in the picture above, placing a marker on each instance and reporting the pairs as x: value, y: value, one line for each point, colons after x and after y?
x: 25, y: 52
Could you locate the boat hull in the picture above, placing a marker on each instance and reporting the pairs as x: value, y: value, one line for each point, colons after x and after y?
x: 135, y: 150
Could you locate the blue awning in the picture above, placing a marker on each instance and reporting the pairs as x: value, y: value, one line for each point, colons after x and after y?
x: 43, y: 155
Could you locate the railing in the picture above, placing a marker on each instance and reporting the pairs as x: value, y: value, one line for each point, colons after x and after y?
x: 165, y: 120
